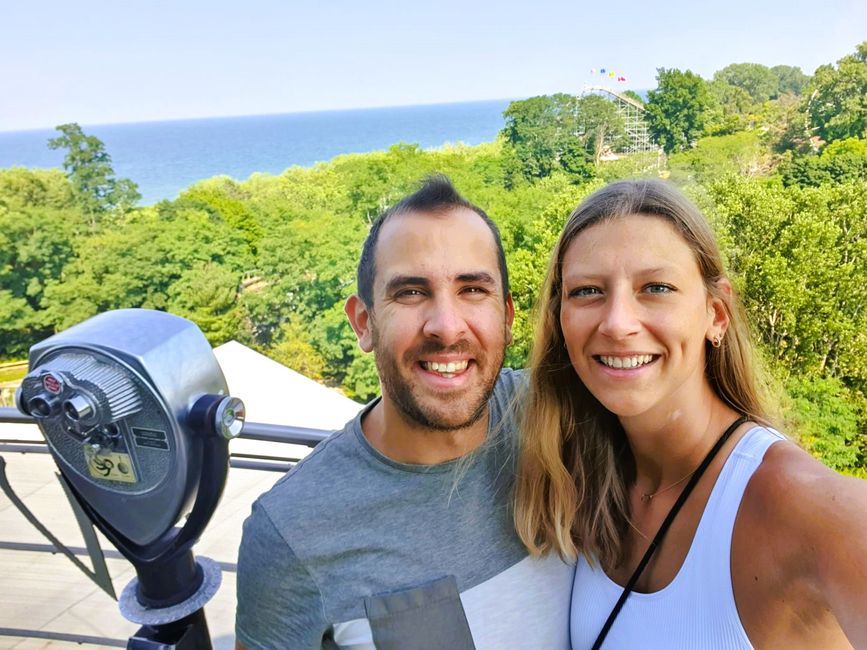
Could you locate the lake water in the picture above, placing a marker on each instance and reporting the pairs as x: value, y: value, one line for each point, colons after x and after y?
x: 163, y: 158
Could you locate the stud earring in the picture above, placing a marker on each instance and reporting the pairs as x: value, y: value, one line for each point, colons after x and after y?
x: 716, y: 341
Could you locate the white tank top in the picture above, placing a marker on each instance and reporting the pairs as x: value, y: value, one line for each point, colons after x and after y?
x: 696, y: 610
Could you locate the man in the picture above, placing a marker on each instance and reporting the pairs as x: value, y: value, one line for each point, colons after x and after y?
x: 396, y: 532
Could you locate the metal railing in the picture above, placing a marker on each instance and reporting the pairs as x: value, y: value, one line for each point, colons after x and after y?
x: 251, y: 431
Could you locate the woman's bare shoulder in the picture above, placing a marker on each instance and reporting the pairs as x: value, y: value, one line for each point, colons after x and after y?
x: 799, y: 494
x: 811, y: 525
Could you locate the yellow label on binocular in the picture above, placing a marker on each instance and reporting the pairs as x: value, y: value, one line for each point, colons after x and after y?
x: 109, y: 466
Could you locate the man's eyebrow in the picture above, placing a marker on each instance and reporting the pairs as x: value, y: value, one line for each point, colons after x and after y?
x: 478, y: 277
x: 399, y: 281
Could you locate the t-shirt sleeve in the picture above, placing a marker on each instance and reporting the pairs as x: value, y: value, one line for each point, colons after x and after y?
x: 279, y: 604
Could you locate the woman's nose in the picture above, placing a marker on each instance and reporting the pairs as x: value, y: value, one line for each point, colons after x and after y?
x: 620, y: 318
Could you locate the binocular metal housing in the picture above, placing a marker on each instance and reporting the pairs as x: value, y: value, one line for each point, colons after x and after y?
x: 136, y: 413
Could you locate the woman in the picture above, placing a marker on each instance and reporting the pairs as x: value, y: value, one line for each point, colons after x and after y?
x: 641, y: 370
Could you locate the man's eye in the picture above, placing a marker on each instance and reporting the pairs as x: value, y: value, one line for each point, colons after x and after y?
x: 408, y: 293
x: 658, y: 288
x: 475, y: 290
x: 583, y: 292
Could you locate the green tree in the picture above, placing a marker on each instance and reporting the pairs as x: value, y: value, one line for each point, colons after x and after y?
x: 577, y: 161
x: 676, y: 109
x: 840, y: 161
x: 207, y: 294
x: 294, y: 350
x: 798, y: 256
x: 223, y: 198
x: 757, y: 80
x: 539, y: 130
x: 561, y: 131
x: 345, y: 363
x: 40, y: 229
x: 89, y: 169
x: 786, y: 125
x: 801, y: 256
x: 730, y: 109
x: 823, y: 413
x: 136, y: 262
x: 601, y: 126
x: 309, y: 263
x: 16, y: 325
x: 714, y: 157
x: 641, y: 164
x: 836, y: 101
x: 361, y: 382
x: 790, y: 79
x: 35, y: 188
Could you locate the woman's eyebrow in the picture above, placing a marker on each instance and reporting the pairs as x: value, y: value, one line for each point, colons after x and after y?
x: 588, y: 274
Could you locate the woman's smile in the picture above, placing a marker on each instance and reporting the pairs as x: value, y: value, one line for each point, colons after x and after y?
x: 626, y: 367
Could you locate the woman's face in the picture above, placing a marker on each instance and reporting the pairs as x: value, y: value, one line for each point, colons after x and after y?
x: 635, y: 316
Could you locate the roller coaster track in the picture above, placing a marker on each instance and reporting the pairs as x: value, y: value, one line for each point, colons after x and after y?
x: 633, y: 116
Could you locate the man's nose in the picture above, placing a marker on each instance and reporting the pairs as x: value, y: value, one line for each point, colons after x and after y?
x: 620, y: 318
x: 445, y: 321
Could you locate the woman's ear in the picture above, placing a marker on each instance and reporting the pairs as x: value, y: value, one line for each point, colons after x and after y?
x: 718, y: 301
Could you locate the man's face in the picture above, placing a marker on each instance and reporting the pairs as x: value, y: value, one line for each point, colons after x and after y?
x: 440, y: 322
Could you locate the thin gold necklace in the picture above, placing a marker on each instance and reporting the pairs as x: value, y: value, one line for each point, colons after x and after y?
x: 646, y: 497
x: 637, y: 530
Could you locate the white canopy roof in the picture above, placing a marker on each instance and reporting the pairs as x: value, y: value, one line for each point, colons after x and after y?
x: 275, y: 394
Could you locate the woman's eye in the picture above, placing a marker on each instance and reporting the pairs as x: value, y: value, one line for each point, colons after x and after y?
x: 659, y: 288
x: 581, y: 292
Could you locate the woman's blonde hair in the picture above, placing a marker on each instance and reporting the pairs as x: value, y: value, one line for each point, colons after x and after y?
x: 575, y: 463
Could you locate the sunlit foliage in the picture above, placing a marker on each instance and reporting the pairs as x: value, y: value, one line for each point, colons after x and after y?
x: 269, y: 261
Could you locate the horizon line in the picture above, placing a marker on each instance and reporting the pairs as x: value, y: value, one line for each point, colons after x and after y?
x: 269, y: 114
x: 199, y: 118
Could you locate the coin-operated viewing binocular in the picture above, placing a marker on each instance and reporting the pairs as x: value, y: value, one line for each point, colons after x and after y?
x: 136, y: 413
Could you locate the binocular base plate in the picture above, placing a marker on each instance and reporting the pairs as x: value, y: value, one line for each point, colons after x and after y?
x: 135, y: 612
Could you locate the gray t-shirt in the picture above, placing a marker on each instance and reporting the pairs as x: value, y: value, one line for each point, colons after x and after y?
x: 351, y: 548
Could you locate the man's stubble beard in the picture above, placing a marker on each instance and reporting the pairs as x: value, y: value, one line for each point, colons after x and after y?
x: 401, y: 390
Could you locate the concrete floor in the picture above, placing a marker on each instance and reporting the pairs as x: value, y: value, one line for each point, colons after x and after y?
x: 46, y: 593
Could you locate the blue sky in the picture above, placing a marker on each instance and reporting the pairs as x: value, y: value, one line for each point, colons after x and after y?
x: 96, y: 62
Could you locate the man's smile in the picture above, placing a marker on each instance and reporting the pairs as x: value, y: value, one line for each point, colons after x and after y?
x: 446, y: 369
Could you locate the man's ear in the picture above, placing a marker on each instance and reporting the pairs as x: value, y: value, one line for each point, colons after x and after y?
x: 510, y: 318
x: 360, y: 318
